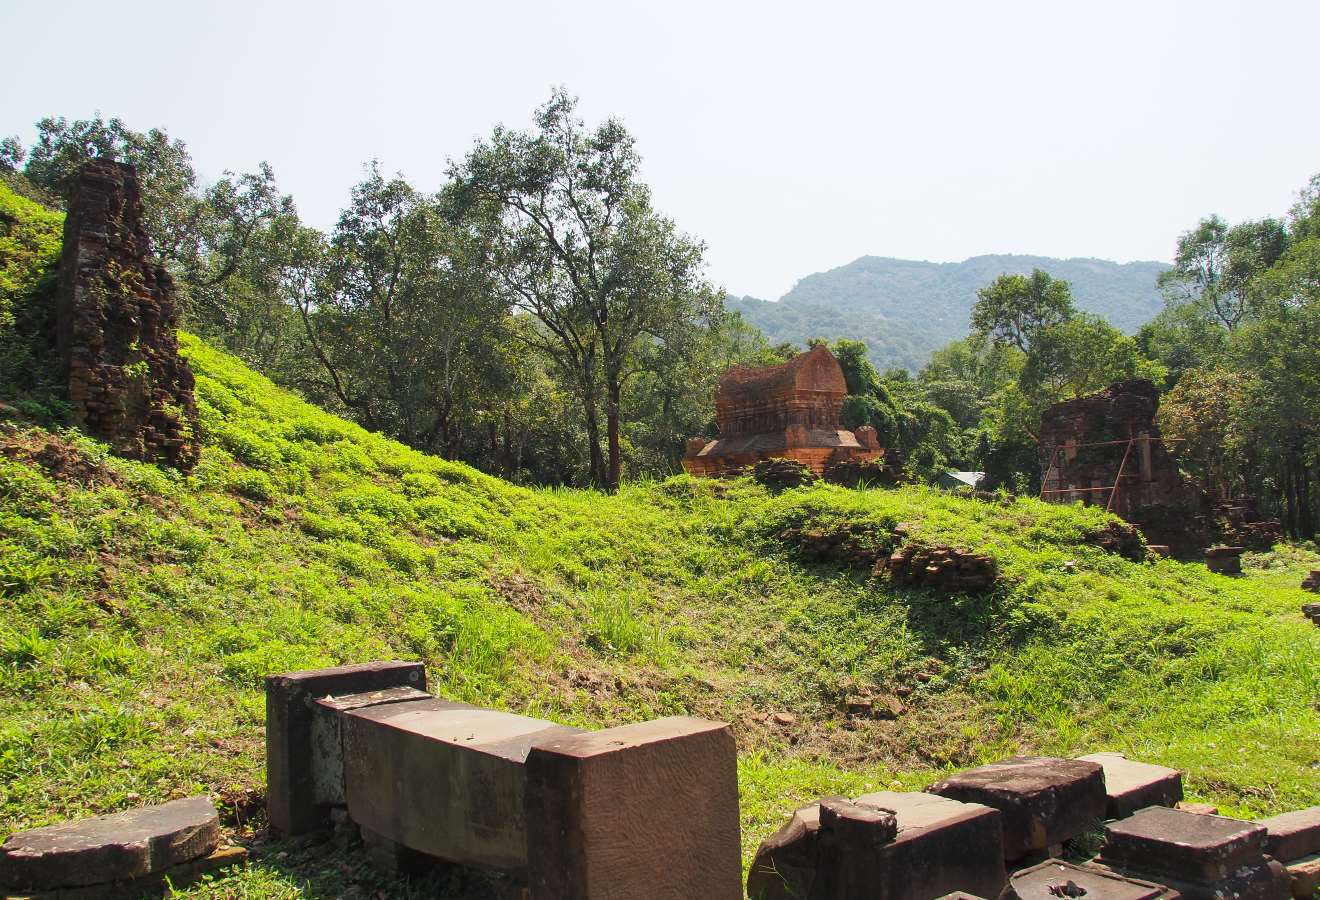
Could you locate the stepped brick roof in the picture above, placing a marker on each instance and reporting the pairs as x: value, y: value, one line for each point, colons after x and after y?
x: 786, y: 411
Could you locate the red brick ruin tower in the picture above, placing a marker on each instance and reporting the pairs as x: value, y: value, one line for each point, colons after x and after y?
x: 116, y: 324
x: 789, y: 411
x: 1105, y: 449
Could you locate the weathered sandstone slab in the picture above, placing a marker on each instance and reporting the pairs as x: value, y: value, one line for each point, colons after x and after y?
x: 1183, y: 845
x: 1293, y: 835
x: 117, y: 847
x: 443, y: 778
x: 1056, y: 879
x: 1132, y: 785
x: 1044, y: 800
x: 940, y: 847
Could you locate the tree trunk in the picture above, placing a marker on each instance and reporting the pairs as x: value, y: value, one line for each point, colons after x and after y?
x: 592, y: 416
x: 612, y: 433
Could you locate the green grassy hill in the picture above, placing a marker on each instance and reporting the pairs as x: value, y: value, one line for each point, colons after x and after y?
x: 141, y: 610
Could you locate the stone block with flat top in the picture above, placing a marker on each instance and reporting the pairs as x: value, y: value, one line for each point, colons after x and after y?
x: 645, y: 811
x: 1305, y: 876
x: 1262, y: 879
x: 1293, y: 835
x: 119, y: 847
x: 1044, y: 800
x: 1132, y: 785
x: 940, y: 847
x: 1184, y: 845
x: 327, y: 760
x: 443, y: 778
x: 291, y: 762
x: 1055, y: 879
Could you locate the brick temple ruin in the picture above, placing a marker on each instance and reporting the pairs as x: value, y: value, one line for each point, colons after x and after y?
x: 788, y: 411
x: 1106, y: 449
x: 116, y: 322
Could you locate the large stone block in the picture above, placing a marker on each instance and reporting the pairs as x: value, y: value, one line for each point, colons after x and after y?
x: 1183, y: 845
x: 1131, y: 785
x: 118, y: 847
x: 640, y: 811
x: 1044, y: 800
x: 1305, y: 876
x: 443, y: 778
x: 291, y: 763
x: 1293, y: 835
x: 941, y: 847
x: 1262, y: 879
x: 1055, y: 879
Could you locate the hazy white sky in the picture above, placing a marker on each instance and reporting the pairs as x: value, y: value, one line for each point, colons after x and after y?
x: 790, y: 137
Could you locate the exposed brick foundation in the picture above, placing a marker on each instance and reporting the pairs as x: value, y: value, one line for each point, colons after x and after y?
x: 940, y: 569
x: 116, y: 324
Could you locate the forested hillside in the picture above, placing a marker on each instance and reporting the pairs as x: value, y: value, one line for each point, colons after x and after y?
x: 905, y: 309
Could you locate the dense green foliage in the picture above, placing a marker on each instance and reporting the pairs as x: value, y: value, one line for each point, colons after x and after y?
x: 30, y: 237
x: 904, y: 310
x: 30, y: 241
x: 1241, y: 337
x: 534, y: 316
x: 143, y: 608
x: 576, y: 244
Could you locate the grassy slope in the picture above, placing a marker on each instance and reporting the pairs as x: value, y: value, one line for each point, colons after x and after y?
x: 141, y: 611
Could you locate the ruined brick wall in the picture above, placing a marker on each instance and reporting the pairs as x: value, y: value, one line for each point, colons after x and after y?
x: 1083, y: 445
x: 116, y: 324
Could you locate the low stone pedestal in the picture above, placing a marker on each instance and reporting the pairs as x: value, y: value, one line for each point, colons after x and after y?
x: 1312, y: 582
x: 1293, y: 839
x: 647, y: 810
x: 100, y: 852
x: 1224, y: 560
x: 1055, y: 879
x: 1305, y: 876
x: 940, y: 847
x: 1132, y: 785
x: 1202, y: 857
x: 1044, y: 801
x: 1312, y: 612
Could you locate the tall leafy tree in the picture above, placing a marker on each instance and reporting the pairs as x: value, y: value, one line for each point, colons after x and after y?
x: 1081, y: 355
x: 164, y: 166
x: 400, y: 313
x: 1013, y: 308
x: 577, y: 244
x: 1215, y: 265
x: 1204, y: 420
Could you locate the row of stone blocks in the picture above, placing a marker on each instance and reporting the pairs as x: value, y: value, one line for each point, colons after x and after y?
x: 651, y: 811
x: 983, y: 833
x: 647, y: 810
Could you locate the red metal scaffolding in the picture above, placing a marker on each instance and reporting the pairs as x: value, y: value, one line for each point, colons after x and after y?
x: 1127, y: 445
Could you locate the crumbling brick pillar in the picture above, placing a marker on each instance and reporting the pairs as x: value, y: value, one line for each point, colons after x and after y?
x: 115, y: 326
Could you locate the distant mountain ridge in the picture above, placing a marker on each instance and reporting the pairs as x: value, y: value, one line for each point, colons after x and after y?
x: 905, y: 309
